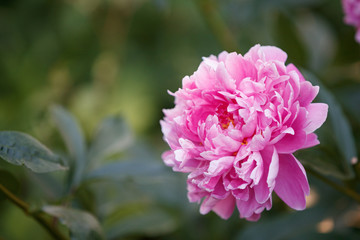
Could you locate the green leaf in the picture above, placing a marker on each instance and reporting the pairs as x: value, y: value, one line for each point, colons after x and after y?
x: 150, y: 221
x: 74, y: 139
x: 82, y: 225
x: 340, y: 129
x: 22, y: 149
x: 324, y: 159
x: 86, y: 197
x: 112, y: 136
x: 49, y: 186
x: 127, y: 168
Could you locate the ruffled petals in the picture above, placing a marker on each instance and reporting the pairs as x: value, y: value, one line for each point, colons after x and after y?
x: 235, y: 125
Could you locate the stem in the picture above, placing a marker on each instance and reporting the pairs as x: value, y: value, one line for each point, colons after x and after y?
x: 38, y: 216
x: 347, y: 191
x: 213, y: 18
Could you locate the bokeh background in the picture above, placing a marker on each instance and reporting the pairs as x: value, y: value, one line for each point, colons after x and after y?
x: 103, y: 57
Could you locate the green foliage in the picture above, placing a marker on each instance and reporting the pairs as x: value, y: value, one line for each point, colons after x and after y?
x: 88, y: 170
x: 74, y: 140
x: 9, y: 181
x: 21, y: 149
x: 99, y: 58
x: 133, y: 219
x: 112, y: 136
x: 82, y: 225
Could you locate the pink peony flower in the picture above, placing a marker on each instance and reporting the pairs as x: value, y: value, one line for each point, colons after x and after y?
x: 352, y: 15
x: 236, y: 123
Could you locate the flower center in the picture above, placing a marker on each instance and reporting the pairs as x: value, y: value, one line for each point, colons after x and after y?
x: 225, y: 118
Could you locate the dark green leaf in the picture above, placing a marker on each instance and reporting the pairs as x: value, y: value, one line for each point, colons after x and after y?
x: 82, y: 225
x: 325, y: 203
x: 85, y: 197
x: 9, y: 182
x: 341, y: 129
x: 349, y: 97
x: 112, y: 136
x: 49, y: 186
x: 294, y: 226
x: 74, y: 139
x: 274, y: 229
x: 324, y: 159
x: 22, y: 149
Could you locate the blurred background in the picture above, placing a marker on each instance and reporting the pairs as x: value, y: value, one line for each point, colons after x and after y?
x: 103, y: 57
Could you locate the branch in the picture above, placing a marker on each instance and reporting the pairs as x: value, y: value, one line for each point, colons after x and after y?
x: 38, y: 216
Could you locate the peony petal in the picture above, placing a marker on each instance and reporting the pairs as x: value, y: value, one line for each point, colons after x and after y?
x: 187, y: 83
x: 239, y: 68
x: 308, y: 93
x: 291, y: 67
x: 205, y: 77
x: 212, y: 63
x: 195, y: 194
x: 259, y: 169
x: 248, y: 86
x: 260, y: 141
x: 222, y: 56
x: 219, y: 166
x: 170, y: 136
x: 241, y: 194
x: 270, y: 169
x: 291, y: 143
x: 294, y: 80
x: 296, y: 140
x: 247, y: 208
x: 273, y: 170
x: 225, y: 208
x: 208, y: 203
x: 169, y: 160
x: 311, y: 140
x: 219, y: 191
x: 255, y: 217
x: 317, y: 113
x: 209, y: 183
x: 225, y: 143
x: 224, y: 78
x: 274, y: 53
x: 291, y: 182
x: 253, y: 54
